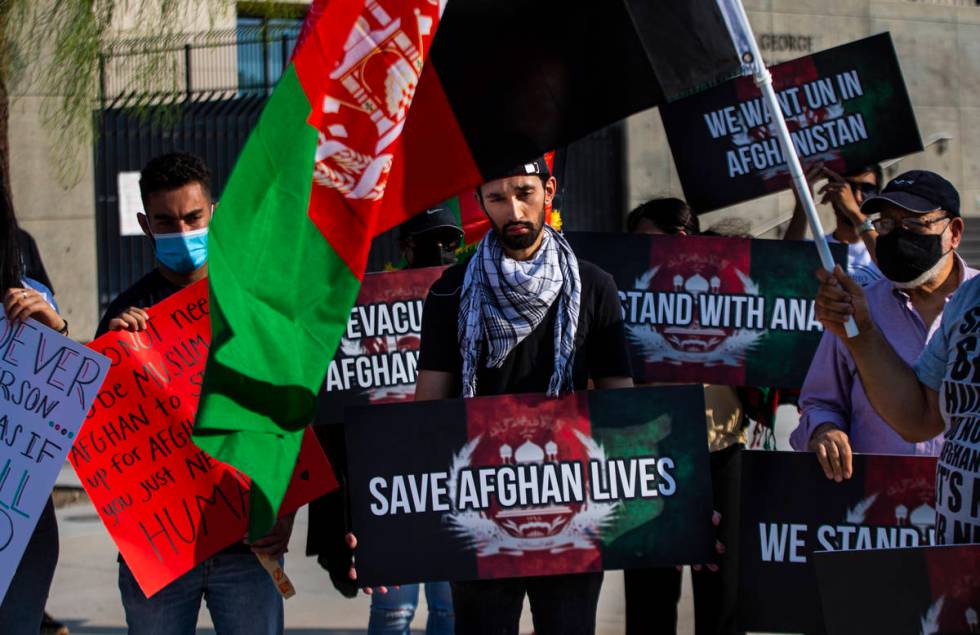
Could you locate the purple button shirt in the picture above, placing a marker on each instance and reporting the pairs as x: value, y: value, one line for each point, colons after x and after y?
x: 832, y: 391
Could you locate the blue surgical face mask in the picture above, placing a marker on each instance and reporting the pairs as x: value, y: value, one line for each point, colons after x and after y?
x: 182, y: 252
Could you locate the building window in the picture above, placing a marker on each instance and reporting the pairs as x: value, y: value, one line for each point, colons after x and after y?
x: 265, y: 45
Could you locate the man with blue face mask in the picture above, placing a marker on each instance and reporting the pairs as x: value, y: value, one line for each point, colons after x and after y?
x: 176, y: 193
x: 241, y: 596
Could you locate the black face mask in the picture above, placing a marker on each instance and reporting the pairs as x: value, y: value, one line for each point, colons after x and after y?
x: 903, y: 255
x: 428, y: 253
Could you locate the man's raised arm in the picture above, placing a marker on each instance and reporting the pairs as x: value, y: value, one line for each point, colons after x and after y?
x: 908, y: 406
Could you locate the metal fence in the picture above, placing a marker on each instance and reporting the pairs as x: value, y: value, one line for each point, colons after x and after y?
x: 201, y: 67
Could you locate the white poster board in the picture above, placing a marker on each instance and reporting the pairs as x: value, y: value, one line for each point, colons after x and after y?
x: 47, y: 384
x: 130, y: 203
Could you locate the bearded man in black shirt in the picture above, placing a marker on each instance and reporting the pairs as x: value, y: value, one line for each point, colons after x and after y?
x: 522, y: 316
x: 241, y: 596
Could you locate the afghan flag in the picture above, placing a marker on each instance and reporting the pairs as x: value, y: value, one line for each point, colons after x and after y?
x: 527, y: 485
x: 375, y: 119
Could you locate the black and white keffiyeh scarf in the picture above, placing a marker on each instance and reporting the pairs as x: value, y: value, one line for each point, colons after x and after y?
x: 503, y: 300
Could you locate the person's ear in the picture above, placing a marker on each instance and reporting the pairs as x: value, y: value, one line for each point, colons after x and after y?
x: 144, y: 223
x: 550, y: 187
x: 956, y: 231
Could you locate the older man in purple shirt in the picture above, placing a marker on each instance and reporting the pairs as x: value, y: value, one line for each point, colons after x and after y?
x: 916, y: 251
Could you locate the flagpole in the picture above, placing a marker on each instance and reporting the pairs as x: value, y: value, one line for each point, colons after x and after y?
x: 743, y: 37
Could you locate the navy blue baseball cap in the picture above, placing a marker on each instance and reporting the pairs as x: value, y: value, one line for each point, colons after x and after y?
x: 918, y: 191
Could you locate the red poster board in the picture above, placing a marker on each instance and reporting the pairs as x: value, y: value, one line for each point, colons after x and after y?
x: 167, y: 504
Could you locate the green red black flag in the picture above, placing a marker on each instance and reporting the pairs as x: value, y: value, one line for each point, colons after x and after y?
x: 388, y: 107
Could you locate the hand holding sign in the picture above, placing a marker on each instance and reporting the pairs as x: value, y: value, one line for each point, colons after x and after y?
x: 132, y: 319
x: 833, y: 450
x: 21, y: 304
x: 841, y: 299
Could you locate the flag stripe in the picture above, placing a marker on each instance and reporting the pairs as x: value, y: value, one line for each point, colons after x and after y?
x: 280, y: 333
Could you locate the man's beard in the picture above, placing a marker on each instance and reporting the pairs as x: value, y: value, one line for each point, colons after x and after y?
x: 522, y: 241
x: 928, y: 275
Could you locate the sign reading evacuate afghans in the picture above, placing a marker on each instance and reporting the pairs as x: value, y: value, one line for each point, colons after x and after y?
x: 525, y: 485
x: 790, y: 510
x: 167, y: 504
x: 47, y: 383
x: 713, y: 310
x: 377, y: 359
x: 846, y: 106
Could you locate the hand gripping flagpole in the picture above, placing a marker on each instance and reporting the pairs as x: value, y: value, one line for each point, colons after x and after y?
x: 748, y: 50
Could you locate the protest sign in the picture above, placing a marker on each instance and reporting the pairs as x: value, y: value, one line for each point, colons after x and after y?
x: 378, y: 354
x: 846, y: 106
x: 714, y: 310
x: 47, y: 383
x: 917, y: 590
x: 790, y: 509
x: 523, y: 485
x: 166, y: 503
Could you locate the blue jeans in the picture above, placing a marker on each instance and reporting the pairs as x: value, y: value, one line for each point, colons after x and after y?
x: 23, y: 607
x: 392, y: 612
x: 241, y: 597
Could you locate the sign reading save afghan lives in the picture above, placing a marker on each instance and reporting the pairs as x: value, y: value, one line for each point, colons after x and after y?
x: 47, y: 383
x: 790, y: 509
x: 846, y: 106
x: 166, y: 503
x: 377, y: 359
x: 713, y: 310
x: 524, y: 485
x: 915, y: 590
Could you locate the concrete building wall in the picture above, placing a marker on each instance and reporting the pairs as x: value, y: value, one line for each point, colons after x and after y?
x: 938, y: 46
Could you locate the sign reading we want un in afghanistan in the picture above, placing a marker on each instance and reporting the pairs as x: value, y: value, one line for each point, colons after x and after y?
x: 846, y: 106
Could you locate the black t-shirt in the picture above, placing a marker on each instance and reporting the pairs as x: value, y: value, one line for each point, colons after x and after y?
x: 147, y: 291
x: 600, y: 342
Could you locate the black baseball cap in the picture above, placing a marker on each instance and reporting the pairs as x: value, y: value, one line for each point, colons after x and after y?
x: 919, y: 191
x: 537, y: 166
x: 437, y: 217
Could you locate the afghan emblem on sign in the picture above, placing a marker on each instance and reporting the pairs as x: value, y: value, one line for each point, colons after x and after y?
x: 707, y: 318
x: 376, y: 80
x: 529, y: 444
